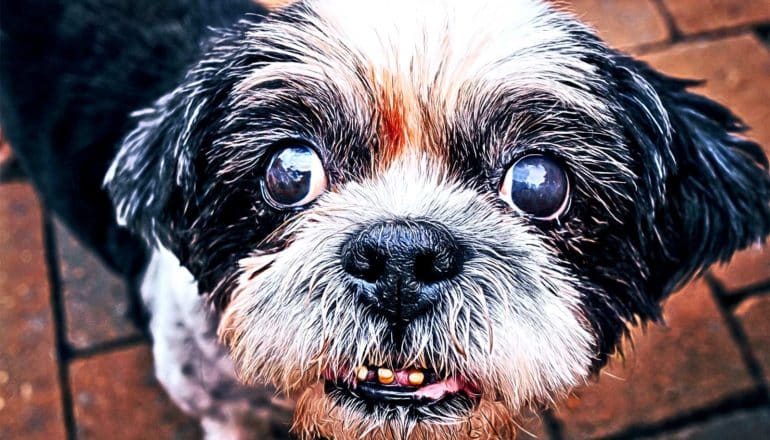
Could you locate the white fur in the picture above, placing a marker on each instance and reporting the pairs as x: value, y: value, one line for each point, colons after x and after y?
x: 435, y: 50
x: 184, y: 337
x: 536, y: 343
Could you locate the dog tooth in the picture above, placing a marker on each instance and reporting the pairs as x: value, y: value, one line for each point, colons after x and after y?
x: 416, y: 377
x: 362, y: 373
x: 385, y: 376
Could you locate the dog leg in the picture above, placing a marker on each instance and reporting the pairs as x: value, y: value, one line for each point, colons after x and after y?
x: 194, y: 368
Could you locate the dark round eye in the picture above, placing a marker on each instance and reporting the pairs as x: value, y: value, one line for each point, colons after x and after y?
x: 538, y: 186
x: 294, y: 176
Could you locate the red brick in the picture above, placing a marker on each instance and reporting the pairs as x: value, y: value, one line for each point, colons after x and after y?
x: 745, y: 425
x: 748, y: 267
x: 754, y: 314
x: 116, y: 397
x: 30, y: 397
x: 623, y: 23
x: 738, y: 73
x: 670, y: 370
x: 694, y: 16
x: 95, y: 300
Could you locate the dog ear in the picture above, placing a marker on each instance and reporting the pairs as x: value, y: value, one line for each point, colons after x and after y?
x: 709, y: 188
x: 152, y: 180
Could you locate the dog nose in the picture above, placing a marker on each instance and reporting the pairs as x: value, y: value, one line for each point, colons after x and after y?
x: 399, y: 266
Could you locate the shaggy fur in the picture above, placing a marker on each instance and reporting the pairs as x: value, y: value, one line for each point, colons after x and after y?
x: 417, y: 111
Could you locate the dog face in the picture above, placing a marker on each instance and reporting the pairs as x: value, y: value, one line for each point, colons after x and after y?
x: 421, y: 218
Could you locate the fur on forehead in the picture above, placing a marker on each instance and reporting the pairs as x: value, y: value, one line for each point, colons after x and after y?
x: 413, y: 66
x: 653, y: 164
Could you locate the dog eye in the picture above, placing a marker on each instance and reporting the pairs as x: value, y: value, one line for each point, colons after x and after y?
x: 294, y: 177
x: 538, y: 186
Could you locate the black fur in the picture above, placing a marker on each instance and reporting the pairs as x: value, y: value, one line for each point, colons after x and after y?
x: 71, y: 72
x: 703, y: 193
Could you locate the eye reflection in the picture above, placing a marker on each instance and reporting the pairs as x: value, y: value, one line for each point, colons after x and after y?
x: 294, y: 176
x: 536, y: 185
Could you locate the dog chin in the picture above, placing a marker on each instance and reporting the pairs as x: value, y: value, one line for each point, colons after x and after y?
x: 323, y: 414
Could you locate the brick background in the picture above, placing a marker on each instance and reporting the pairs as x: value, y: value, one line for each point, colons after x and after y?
x: 694, y: 350
x: 30, y: 397
x: 117, y: 397
x: 754, y: 315
x: 98, y: 298
x: 623, y: 23
x: 693, y: 16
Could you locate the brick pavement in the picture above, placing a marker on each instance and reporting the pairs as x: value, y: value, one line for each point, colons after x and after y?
x: 73, y: 363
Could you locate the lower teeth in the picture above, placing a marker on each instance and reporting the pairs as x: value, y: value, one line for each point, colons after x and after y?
x: 385, y: 376
x: 416, y: 378
x: 413, y: 377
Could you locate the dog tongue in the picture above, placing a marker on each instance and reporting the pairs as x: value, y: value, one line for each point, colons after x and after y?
x: 439, y: 389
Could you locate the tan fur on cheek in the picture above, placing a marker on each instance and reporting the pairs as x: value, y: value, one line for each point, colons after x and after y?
x: 316, y: 416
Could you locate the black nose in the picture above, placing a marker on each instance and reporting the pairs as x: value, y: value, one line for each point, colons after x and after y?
x: 399, y: 266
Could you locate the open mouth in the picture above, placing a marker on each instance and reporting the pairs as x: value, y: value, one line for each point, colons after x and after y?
x: 377, y: 386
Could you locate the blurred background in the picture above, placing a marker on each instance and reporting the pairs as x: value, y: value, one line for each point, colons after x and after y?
x: 74, y: 364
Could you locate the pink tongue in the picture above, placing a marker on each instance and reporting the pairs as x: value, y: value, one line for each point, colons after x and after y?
x: 438, y: 390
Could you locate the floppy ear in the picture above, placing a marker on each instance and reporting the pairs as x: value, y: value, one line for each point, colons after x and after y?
x: 709, y: 188
x: 152, y: 180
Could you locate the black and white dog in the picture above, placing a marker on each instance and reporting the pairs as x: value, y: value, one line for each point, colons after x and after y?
x: 416, y: 218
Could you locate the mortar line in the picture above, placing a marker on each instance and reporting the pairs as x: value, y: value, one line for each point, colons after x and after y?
x: 752, y: 400
x: 553, y: 426
x: 738, y: 335
x: 109, y: 346
x: 734, y: 299
x: 704, y: 36
x: 63, y: 350
x: 674, y: 33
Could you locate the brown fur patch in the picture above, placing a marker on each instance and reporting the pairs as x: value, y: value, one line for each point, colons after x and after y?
x: 406, y: 125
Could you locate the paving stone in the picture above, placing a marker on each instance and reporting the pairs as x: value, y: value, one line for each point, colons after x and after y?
x: 754, y: 314
x: 669, y: 370
x: 96, y: 301
x: 694, y: 16
x: 737, y: 71
x: 623, y: 23
x: 116, y: 397
x: 30, y: 397
x: 746, y: 268
x: 745, y: 425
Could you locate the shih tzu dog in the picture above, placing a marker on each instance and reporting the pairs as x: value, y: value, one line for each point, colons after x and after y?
x: 413, y: 218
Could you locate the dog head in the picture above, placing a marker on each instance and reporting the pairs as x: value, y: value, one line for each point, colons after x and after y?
x: 423, y: 217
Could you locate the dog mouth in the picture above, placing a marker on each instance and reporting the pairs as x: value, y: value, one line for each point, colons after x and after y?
x: 377, y: 386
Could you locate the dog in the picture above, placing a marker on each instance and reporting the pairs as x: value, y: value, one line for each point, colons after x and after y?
x: 413, y: 219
